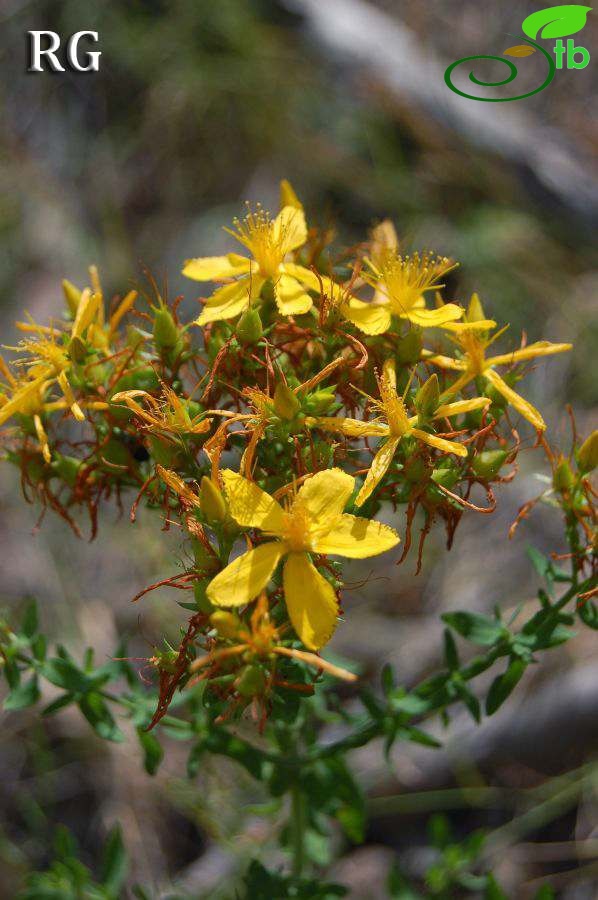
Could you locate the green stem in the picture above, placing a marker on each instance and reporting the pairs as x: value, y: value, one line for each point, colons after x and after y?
x: 297, y: 825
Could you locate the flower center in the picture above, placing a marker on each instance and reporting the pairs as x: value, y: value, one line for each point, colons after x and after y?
x: 393, y: 408
x: 406, y: 278
x: 474, y: 349
x: 296, y: 527
x: 264, y: 240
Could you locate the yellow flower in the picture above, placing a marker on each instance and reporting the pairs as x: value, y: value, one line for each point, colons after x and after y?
x: 472, y: 338
x: 313, y: 522
x: 393, y: 425
x: 400, y: 283
x: 169, y: 415
x: 26, y: 396
x: 269, y: 242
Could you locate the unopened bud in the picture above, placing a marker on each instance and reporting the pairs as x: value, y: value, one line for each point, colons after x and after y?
x: 211, y: 501
x: 587, y: 456
x: 475, y: 311
x: 488, y: 463
x: 226, y: 623
x: 286, y: 404
x: 249, y: 327
x: 563, y: 478
x: 166, y: 333
x: 409, y: 348
x: 251, y: 682
x: 72, y: 295
x: 427, y: 398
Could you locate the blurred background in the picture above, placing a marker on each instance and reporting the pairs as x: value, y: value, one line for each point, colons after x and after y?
x: 197, y: 107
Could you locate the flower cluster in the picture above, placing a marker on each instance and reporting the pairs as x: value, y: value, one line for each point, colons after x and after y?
x: 315, y: 392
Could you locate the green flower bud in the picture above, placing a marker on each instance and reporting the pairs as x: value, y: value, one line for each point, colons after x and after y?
x: 77, y: 349
x: 166, y: 332
x: 587, y: 456
x: 286, y: 404
x: 211, y: 501
x: 226, y: 623
x: 563, y: 478
x: 251, y: 682
x: 488, y: 463
x: 72, y: 295
x: 427, y: 398
x: 249, y: 327
x: 144, y: 379
x: 446, y: 477
x: 320, y: 401
x: 66, y: 468
x: 409, y: 348
x: 165, y: 452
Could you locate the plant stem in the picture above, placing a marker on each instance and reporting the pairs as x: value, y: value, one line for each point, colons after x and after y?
x: 297, y: 829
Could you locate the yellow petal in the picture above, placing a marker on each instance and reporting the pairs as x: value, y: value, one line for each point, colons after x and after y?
x: 518, y: 402
x: 440, y: 443
x: 213, y: 268
x: 21, y: 398
x: 122, y: 309
x: 357, y: 538
x: 70, y: 397
x: 291, y: 298
x: 311, y: 601
x: 226, y: 303
x: 290, y: 230
x: 461, y: 406
x: 307, y: 278
x: 86, y: 311
x: 350, y: 427
x: 288, y: 197
x: 246, y: 576
x: 433, y: 318
x: 378, y: 469
x: 368, y: 317
x: 443, y: 362
x: 460, y: 327
x: 540, y: 348
x: 176, y: 484
x: 42, y: 438
x: 325, y: 495
x: 249, y: 505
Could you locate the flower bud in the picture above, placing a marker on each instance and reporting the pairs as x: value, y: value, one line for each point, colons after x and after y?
x: 475, y: 312
x: 488, y: 463
x: 166, y: 332
x: 409, y: 348
x: 211, y: 501
x: 66, y: 467
x: 226, y: 623
x: 587, y: 456
x: 427, y: 398
x: 72, y: 295
x: 286, y: 404
x: 251, y: 682
x: 563, y: 478
x: 249, y: 327
x: 320, y: 401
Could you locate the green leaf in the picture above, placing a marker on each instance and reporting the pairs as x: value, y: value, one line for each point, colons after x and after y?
x: 556, y: 21
x: 23, y: 695
x: 352, y: 822
x: 95, y: 710
x: 502, y: 686
x: 30, y: 622
x: 153, y: 752
x: 475, y: 628
x: 65, y: 674
x: 114, y: 863
x: 450, y: 651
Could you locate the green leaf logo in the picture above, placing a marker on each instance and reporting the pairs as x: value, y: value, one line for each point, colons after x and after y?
x: 556, y: 21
